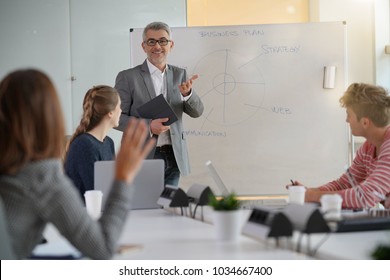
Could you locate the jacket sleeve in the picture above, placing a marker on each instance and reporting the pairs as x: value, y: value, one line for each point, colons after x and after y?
x: 123, y: 88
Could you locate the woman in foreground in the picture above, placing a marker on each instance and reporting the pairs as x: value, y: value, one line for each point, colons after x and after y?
x: 33, y: 186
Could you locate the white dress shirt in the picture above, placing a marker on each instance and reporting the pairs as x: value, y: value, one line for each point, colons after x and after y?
x: 160, y: 86
x: 159, y: 80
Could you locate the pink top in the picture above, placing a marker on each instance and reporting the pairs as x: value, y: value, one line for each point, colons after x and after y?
x: 370, y: 176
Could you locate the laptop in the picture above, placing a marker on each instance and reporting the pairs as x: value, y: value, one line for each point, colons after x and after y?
x: 247, y: 201
x: 149, y: 182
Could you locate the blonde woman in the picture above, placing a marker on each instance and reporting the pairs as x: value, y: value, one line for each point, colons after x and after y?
x: 90, y: 143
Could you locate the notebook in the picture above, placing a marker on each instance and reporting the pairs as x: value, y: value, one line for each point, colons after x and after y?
x: 157, y: 108
x: 149, y: 182
x: 248, y: 202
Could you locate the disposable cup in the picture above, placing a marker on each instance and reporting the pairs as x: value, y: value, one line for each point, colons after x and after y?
x: 93, y: 202
x: 331, y: 206
x: 296, y: 194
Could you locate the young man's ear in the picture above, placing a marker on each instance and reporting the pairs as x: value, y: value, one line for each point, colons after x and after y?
x: 365, y: 122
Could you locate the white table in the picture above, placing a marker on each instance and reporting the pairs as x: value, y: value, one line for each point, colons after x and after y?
x: 350, y: 246
x: 164, y: 235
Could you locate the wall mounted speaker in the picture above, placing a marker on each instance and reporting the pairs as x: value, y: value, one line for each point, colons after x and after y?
x: 306, y: 218
x: 173, y: 197
x: 264, y: 223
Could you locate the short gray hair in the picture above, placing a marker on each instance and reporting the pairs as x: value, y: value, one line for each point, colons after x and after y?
x: 157, y: 25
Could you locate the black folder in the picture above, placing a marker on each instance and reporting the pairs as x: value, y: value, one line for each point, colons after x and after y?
x: 157, y: 108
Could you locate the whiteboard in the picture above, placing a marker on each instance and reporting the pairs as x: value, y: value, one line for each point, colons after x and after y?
x: 267, y: 117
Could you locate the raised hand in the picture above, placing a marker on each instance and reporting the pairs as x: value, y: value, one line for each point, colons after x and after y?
x: 186, y: 87
x: 133, y: 150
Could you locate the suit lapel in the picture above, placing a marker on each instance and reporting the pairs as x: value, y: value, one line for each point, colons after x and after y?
x: 148, y: 80
x: 169, y: 77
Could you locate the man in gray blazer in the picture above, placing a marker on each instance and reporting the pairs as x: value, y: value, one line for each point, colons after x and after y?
x: 140, y: 84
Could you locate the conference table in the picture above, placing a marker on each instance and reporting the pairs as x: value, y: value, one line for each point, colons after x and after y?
x: 346, y: 245
x: 357, y: 245
x: 167, y: 234
x: 158, y: 234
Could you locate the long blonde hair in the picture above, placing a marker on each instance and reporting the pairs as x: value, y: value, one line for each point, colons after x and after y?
x: 98, y: 102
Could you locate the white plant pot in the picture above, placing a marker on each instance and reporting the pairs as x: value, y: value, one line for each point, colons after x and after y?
x: 227, y: 225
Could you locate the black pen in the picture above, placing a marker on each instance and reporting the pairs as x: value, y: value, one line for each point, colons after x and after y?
x: 292, y: 182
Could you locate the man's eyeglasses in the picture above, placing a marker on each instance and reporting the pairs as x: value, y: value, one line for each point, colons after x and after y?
x: 162, y: 42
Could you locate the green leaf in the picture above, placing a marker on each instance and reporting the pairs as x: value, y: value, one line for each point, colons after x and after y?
x: 381, y: 252
x: 225, y: 203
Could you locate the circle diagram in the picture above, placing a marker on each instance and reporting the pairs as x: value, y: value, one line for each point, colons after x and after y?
x: 231, y: 89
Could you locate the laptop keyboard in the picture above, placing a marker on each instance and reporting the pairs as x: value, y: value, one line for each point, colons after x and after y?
x: 379, y: 212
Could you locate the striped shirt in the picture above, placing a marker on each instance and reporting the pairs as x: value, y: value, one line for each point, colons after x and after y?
x: 369, y: 177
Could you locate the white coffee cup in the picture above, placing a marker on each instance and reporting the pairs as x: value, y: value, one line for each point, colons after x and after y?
x: 93, y: 202
x: 296, y: 194
x: 331, y: 206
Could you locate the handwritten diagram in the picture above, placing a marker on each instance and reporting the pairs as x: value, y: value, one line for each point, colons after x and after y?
x: 232, y: 93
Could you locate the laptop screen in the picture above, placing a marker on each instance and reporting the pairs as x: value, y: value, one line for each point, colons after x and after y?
x: 217, y: 179
x: 149, y: 182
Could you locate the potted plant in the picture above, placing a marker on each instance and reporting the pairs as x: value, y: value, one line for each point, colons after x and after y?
x: 226, y: 216
x: 381, y: 252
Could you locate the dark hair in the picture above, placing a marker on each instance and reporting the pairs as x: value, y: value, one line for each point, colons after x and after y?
x: 31, y: 120
x: 98, y: 102
x: 368, y: 101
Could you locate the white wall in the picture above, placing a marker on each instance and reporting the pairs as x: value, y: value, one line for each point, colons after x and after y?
x: 358, y: 15
x: 368, y: 31
x: 382, y: 38
x: 368, y: 24
x: 36, y: 34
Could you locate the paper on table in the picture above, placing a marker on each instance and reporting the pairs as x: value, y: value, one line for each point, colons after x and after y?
x: 157, y: 108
